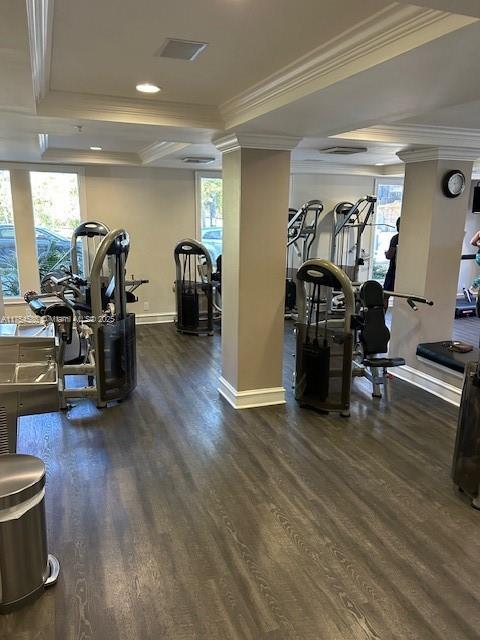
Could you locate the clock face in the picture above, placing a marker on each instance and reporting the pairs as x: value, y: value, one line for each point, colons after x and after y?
x: 454, y: 184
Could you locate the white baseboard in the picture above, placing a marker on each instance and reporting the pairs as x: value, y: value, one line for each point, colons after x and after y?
x: 155, y: 318
x: 252, y: 397
x: 424, y: 381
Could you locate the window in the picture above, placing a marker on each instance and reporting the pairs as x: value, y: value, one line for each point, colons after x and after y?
x: 388, y: 209
x: 8, y: 247
x: 211, y: 218
x: 56, y: 212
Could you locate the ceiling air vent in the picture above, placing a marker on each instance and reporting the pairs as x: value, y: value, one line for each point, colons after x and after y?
x: 197, y: 160
x: 181, y: 49
x: 343, y: 151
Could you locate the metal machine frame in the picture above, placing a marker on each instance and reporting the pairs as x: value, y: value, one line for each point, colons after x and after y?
x: 88, y: 230
x: 302, y: 228
x: 94, y: 309
x: 348, y: 218
x: 342, y: 326
x: 113, y: 344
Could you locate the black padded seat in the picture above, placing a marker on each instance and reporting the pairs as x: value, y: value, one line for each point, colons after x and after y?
x: 439, y: 353
x: 384, y: 362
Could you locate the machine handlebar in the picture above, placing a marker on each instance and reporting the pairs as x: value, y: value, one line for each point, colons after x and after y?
x: 411, y: 299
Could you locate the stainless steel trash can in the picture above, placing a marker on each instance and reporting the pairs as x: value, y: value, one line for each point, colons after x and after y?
x: 25, y: 566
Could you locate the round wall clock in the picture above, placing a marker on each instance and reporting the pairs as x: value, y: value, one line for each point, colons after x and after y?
x: 453, y: 183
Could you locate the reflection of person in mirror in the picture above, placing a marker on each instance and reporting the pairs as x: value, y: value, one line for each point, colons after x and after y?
x: 391, y: 255
x: 475, y: 242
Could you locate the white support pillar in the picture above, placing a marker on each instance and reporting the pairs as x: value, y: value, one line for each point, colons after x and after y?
x: 430, y: 246
x: 256, y: 182
x: 24, y: 230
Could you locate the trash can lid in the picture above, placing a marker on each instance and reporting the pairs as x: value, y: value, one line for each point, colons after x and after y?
x: 21, y: 477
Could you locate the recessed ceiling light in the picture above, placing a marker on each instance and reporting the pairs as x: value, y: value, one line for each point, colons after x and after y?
x: 146, y: 87
x: 379, y: 164
x: 96, y: 148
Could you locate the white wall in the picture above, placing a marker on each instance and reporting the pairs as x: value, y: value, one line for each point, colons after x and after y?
x: 157, y: 208
x: 331, y: 189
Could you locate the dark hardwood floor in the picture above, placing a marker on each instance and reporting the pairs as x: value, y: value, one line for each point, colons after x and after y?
x: 176, y: 517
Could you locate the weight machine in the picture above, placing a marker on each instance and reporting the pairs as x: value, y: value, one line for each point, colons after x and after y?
x: 301, y: 234
x: 341, y: 334
x: 91, y: 312
x: 193, y: 288
x: 349, y: 223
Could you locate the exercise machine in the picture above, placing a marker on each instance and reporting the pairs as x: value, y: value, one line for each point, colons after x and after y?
x: 466, y: 304
x: 193, y: 288
x: 324, y: 345
x: 83, y: 246
x: 373, y: 338
x: 104, y: 327
x: 373, y: 335
x: 349, y: 222
x: 341, y: 333
x: 301, y: 234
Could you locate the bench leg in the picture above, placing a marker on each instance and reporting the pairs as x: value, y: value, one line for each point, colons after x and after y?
x: 376, y: 383
x: 385, y: 385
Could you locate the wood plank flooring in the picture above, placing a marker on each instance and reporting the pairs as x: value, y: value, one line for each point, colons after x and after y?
x: 467, y: 330
x: 176, y: 517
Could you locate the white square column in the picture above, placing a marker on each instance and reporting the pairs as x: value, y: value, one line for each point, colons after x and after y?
x: 256, y: 182
x: 432, y: 229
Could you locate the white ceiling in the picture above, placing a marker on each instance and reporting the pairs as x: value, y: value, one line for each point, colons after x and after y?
x: 108, y: 47
x: 310, y: 69
x: 434, y: 75
x: 467, y: 7
x: 465, y: 115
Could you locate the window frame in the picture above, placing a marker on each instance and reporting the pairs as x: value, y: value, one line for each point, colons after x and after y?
x: 377, y: 183
x: 198, y: 198
x: 50, y: 168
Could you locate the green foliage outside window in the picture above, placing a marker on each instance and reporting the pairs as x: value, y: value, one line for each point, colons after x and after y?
x: 212, y: 202
x: 55, y: 201
x: 56, y: 208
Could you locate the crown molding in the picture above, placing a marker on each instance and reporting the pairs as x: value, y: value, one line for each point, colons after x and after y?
x: 40, y: 27
x: 385, y: 34
x: 334, y: 168
x: 82, y: 156
x: 439, y: 153
x: 83, y: 106
x: 416, y: 134
x: 153, y: 152
x: 235, y: 141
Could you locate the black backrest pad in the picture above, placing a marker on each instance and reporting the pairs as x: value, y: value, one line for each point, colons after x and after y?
x: 318, y: 275
x: 374, y: 334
